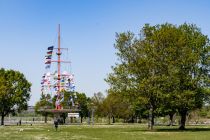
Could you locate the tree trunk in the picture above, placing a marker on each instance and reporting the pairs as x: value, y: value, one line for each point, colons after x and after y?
x: 2, y: 120
x: 113, y: 119
x: 171, y: 116
x: 45, y: 118
x: 64, y: 119
x: 71, y: 119
x: 151, y: 119
x: 139, y: 119
x: 109, y: 119
x: 81, y: 119
x: 183, y: 120
x: 132, y: 119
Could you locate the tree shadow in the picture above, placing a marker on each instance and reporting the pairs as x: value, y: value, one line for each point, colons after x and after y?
x: 191, y: 129
x: 185, y: 130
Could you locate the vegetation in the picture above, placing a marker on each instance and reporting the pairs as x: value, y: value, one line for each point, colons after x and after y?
x: 82, y: 102
x: 14, y: 92
x: 165, y: 70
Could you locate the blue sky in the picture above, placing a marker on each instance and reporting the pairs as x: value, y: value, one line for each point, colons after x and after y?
x: 88, y: 27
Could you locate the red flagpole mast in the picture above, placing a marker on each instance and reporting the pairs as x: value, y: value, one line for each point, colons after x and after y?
x: 59, y: 61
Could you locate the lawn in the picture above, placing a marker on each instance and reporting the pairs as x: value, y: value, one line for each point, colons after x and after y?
x: 105, y: 132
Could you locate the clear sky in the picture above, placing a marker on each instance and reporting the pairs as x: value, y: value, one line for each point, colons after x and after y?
x: 88, y: 27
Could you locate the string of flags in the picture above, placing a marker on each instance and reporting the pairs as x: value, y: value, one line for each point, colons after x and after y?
x: 50, y: 83
x: 48, y: 57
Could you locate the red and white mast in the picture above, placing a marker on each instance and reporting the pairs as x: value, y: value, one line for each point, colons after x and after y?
x: 59, y: 61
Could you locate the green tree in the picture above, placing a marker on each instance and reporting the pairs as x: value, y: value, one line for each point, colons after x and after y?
x: 137, y: 76
x: 192, y: 71
x: 83, y: 105
x: 80, y: 102
x: 96, y: 104
x: 14, y: 92
x: 116, y: 106
x: 166, y: 67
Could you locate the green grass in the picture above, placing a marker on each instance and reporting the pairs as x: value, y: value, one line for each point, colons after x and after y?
x: 103, y: 132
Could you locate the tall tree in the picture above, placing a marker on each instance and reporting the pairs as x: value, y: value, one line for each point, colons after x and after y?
x: 96, y: 104
x: 14, y: 92
x: 82, y: 101
x: 115, y: 105
x: 165, y: 65
x: 193, y: 69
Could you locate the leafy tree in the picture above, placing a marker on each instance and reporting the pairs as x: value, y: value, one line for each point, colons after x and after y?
x: 192, y: 71
x: 115, y: 105
x: 166, y: 68
x: 137, y: 76
x: 96, y: 104
x: 111, y: 104
x: 14, y: 92
x: 80, y: 102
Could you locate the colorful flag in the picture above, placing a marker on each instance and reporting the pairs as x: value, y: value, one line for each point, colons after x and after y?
x: 50, y: 48
x: 47, y: 66
x: 48, y: 57
x: 48, y: 62
x: 50, y: 52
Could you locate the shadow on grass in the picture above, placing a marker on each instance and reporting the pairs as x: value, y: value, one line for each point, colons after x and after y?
x: 177, y: 130
x: 194, y: 129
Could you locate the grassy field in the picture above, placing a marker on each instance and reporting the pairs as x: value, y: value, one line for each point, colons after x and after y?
x: 105, y: 132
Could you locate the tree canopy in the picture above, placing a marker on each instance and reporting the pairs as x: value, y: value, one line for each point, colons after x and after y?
x: 14, y: 92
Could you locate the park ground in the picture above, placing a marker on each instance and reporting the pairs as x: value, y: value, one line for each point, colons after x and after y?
x: 102, y: 132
